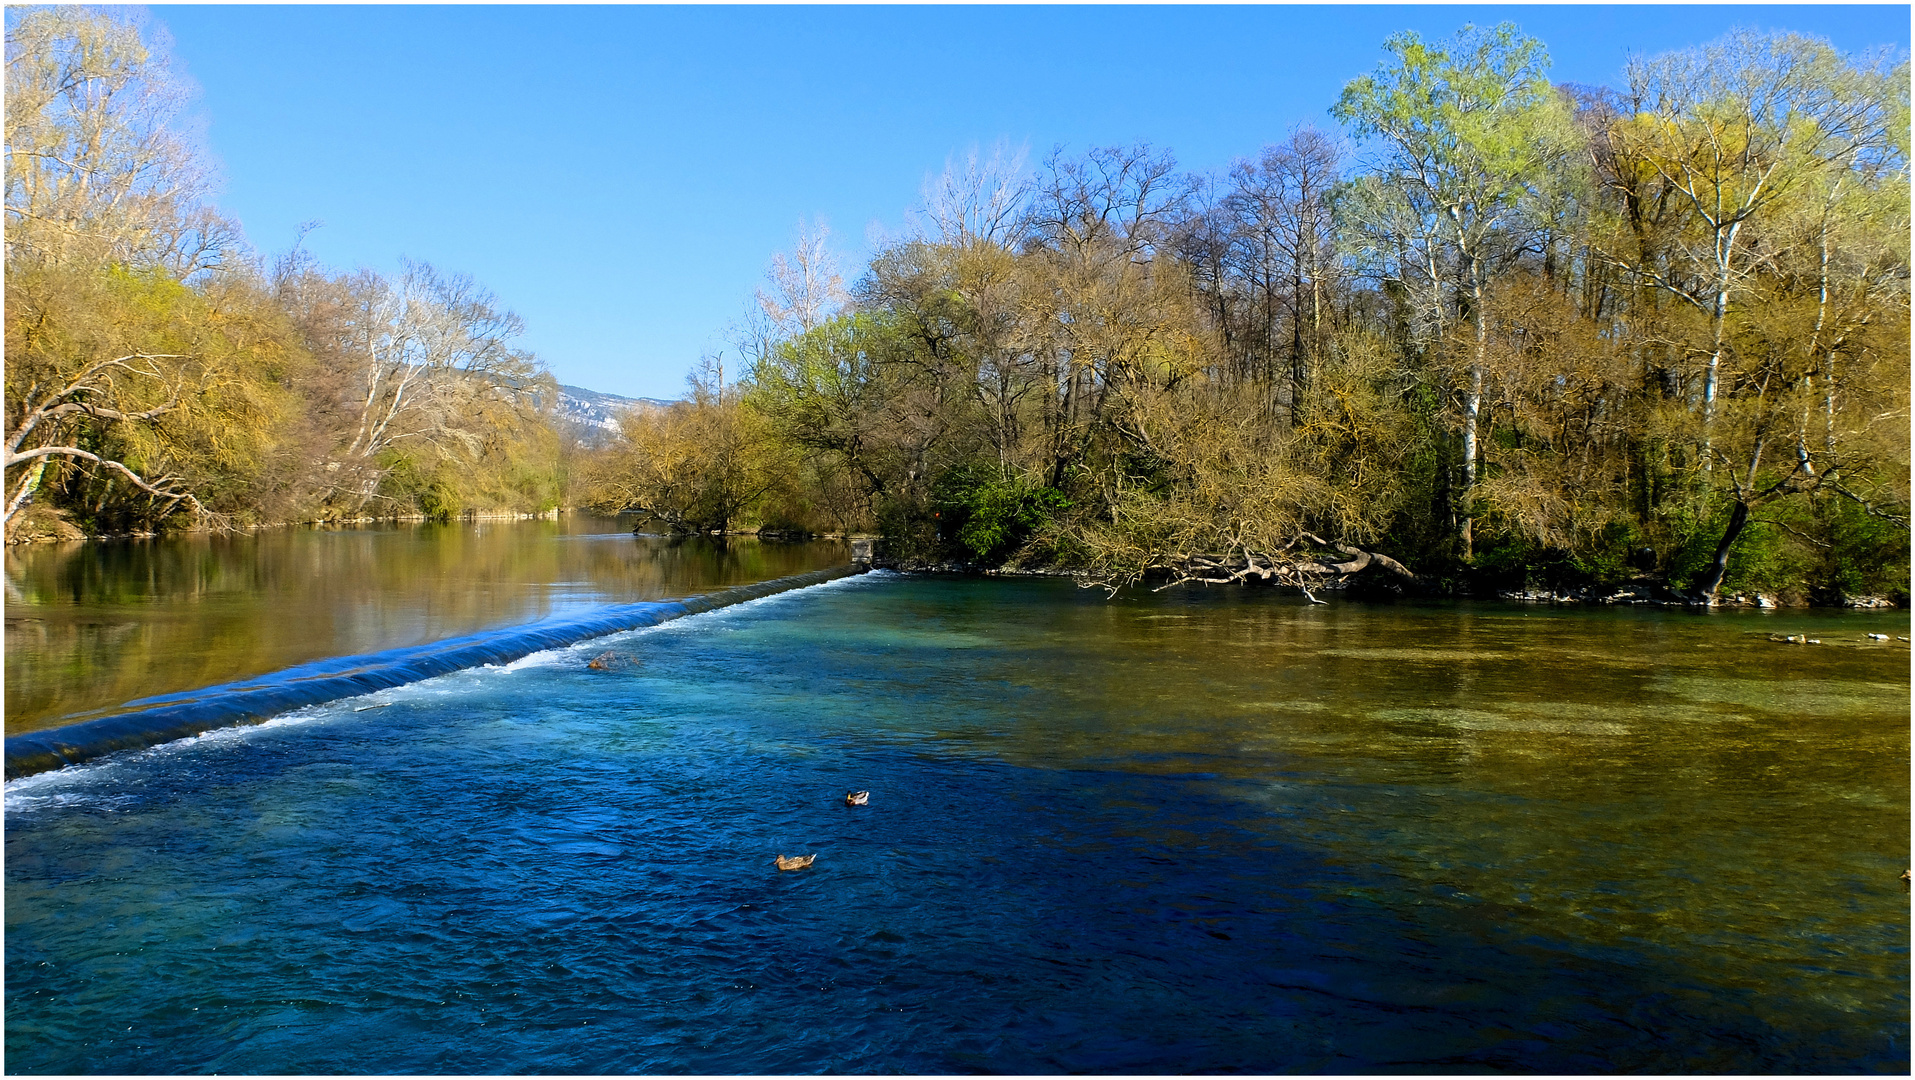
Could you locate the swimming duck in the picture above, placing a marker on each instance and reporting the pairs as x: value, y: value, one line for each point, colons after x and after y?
x: 796, y: 862
x: 857, y: 798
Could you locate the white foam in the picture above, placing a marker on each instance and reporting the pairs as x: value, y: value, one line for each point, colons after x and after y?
x: 544, y: 658
x: 100, y: 783
x: 92, y: 783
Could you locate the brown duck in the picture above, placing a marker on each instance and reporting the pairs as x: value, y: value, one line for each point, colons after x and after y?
x: 796, y: 862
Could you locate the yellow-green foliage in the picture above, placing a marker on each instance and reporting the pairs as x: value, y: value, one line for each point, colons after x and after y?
x: 1573, y: 336
x: 222, y: 358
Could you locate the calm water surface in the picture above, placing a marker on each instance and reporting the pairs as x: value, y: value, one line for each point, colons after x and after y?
x: 1204, y: 831
x: 91, y: 626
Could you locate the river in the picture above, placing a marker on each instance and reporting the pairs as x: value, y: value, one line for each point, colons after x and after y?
x: 91, y: 626
x: 1199, y: 830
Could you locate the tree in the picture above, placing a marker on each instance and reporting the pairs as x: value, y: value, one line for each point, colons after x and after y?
x: 152, y: 396
x: 96, y: 168
x: 1284, y: 248
x: 1755, y: 181
x: 1727, y: 134
x: 806, y: 289
x: 698, y: 465
x: 102, y: 203
x: 1276, y: 376
x: 427, y: 373
x: 1098, y: 225
x: 828, y: 392
x: 1467, y: 129
x: 982, y: 201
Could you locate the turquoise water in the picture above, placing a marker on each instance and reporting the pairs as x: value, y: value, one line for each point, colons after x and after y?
x: 1200, y: 831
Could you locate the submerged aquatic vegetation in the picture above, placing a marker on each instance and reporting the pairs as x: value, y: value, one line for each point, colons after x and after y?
x: 1108, y: 841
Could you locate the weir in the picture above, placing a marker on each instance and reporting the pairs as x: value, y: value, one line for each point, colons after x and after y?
x: 169, y: 717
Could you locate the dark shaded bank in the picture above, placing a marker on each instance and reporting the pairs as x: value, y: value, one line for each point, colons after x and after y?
x: 1642, y: 590
x: 251, y: 701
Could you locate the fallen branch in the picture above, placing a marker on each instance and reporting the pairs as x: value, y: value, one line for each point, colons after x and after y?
x: 1307, y: 563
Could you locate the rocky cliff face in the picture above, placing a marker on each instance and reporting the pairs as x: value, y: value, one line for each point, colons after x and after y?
x: 591, y: 417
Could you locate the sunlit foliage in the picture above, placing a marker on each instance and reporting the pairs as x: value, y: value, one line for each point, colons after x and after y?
x: 1513, y: 332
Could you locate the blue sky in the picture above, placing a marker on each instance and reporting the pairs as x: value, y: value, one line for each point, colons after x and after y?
x: 621, y: 176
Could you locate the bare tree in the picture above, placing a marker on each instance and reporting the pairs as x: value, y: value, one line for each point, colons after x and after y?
x: 1113, y: 202
x: 980, y: 200
x: 806, y: 285
x: 1284, y: 249
x: 432, y: 370
x: 97, y: 169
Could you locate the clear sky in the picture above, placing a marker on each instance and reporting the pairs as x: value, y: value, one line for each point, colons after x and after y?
x: 621, y: 176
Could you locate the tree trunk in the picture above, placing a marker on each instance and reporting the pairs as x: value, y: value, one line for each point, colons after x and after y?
x: 1738, y: 519
x: 1473, y: 403
x: 31, y: 484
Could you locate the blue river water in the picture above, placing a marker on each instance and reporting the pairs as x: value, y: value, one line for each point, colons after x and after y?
x: 1198, y: 832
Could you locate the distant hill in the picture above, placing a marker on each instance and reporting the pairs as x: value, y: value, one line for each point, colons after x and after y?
x: 592, y: 417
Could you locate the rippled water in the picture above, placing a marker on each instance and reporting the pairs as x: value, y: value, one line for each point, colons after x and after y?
x: 93, y: 625
x: 1203, y: 831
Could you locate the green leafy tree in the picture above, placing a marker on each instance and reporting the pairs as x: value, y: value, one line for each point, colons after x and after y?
x: 1761, y: 183
x: 1468, y: 131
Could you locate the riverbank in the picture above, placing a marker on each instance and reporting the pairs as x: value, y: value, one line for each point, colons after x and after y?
x: 1635, y: 593
x: 38, y: 525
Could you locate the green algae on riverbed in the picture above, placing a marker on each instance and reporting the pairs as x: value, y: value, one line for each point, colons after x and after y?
x: 1257, y: 836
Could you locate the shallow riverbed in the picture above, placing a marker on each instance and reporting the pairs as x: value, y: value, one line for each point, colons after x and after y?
x: 1194, y: 831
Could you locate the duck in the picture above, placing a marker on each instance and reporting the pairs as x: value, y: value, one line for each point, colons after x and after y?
x: 796, y: 862
x: 857, y: 798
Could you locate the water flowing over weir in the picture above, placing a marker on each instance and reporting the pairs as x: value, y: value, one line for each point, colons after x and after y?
x: 177, y: 716
x: 1203, y: 831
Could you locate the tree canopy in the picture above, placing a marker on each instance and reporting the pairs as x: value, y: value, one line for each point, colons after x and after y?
x: 1514, y: 333
x: 1493, y: 333
x: 157, y: 376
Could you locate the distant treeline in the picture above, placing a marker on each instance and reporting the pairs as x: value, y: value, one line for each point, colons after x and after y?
x: 1506, y: 331
x: 158, y: 373
x: 1520, y: 333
